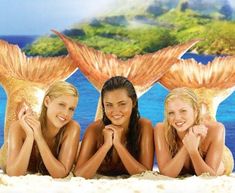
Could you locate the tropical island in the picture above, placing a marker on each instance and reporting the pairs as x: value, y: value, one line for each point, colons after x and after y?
x: 148, y: 28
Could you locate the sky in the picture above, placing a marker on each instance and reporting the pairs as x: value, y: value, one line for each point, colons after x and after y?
x: 38, y: 17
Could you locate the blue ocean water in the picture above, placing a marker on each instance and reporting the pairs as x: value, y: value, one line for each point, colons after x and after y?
x: 21, y: 41
x: 150, y: 104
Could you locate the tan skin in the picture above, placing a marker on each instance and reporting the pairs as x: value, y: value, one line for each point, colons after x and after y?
x: 27, y: 130
x: 209, y: 136
x: 118, y: 107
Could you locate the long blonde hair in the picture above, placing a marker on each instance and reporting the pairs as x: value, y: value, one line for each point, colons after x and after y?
x: 188, y: 96
x: 54, y: 91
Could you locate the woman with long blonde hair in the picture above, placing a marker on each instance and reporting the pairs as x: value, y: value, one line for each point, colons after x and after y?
x: 186, y: 142
x: 47, y: 144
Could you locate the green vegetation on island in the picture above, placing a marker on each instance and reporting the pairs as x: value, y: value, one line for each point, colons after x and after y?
x: 146, y: 31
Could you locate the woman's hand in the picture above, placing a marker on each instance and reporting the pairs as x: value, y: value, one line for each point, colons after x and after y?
x: 191, y: 141
x: 118, y: 133
x: 22, y: 115
x: 200, y: 130
x: 35, y: 124
x: 108, y: 137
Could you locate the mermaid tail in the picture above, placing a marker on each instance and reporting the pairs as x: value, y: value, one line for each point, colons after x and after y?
x: 227, y: 160
x: 142, y: 70
x: 27, y: 78
x: 212, y: 83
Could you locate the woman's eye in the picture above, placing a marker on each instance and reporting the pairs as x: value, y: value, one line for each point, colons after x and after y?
x: 72, y: 109
x: 170, y: 113
x: 108, y: 105
x: 61, y: 104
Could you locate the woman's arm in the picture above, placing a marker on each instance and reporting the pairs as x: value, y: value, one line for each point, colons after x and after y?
x: 89, y: 160
x: 60, y: 167
x: 19, y: 148
x: 214, y: 153
x: 145, y: 160
x: 168, y: 165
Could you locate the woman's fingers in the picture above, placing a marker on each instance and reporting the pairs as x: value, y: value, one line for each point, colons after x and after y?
x: 22, y: 112
x: 200, y: 130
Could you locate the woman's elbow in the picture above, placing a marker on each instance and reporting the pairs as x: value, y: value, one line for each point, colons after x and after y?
x: 165, y: 172
x: 82, y: 174
x: 12, y: 172
x: 149, y: 163
x: 169, y: 174
x: 149, y: 167
x: 60, y: 175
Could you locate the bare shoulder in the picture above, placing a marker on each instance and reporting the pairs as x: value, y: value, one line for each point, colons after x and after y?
x: 94, y: 128
x: 215, y: 129
x: 144, y: 121
x: 72, y: 129
x: 159, y: 128
x: 73, y: 125
x: 145, y: 124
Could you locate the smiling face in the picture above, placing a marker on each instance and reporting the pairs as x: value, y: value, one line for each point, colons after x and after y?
x: 60, y: 110
x: 180, y: 114
x: 118, y: 107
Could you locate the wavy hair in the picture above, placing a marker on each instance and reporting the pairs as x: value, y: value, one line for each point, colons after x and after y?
x: 120, y: 82
x: 54, y: 91
x: 188, y: 96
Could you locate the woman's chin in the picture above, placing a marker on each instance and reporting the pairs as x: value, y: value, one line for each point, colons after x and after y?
x: 117, y: 123
x: 181, y: 129
x: 59, y: 125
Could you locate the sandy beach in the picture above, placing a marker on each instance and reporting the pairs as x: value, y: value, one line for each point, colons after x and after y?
x: 146, y: 182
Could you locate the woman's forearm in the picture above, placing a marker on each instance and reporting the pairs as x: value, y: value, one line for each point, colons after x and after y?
x: 173, y: 167
x: 19, y: 165
x: 90, y: 167
x: 200, y: 165
x: 130, y: 163
x: 55, y: 168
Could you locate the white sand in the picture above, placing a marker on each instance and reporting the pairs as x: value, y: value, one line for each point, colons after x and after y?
x: 147, y: 182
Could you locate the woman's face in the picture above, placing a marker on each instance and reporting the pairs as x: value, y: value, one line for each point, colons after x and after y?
x: 60, y: 110
x: 181, y: 114
x: 118, y: 107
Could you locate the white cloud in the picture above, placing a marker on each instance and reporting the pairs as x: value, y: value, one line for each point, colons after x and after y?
x: 232, y: 3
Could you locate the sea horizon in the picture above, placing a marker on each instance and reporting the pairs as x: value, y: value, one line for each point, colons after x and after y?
x: 20, y: 40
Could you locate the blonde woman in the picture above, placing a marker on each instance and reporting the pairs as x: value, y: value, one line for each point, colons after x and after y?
x: 47, y: 144
x: 186, y: 143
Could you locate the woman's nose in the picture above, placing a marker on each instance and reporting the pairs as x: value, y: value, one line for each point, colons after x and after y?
x: 115, y: 109
x: 177, y: 116
x: 66, y: 112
